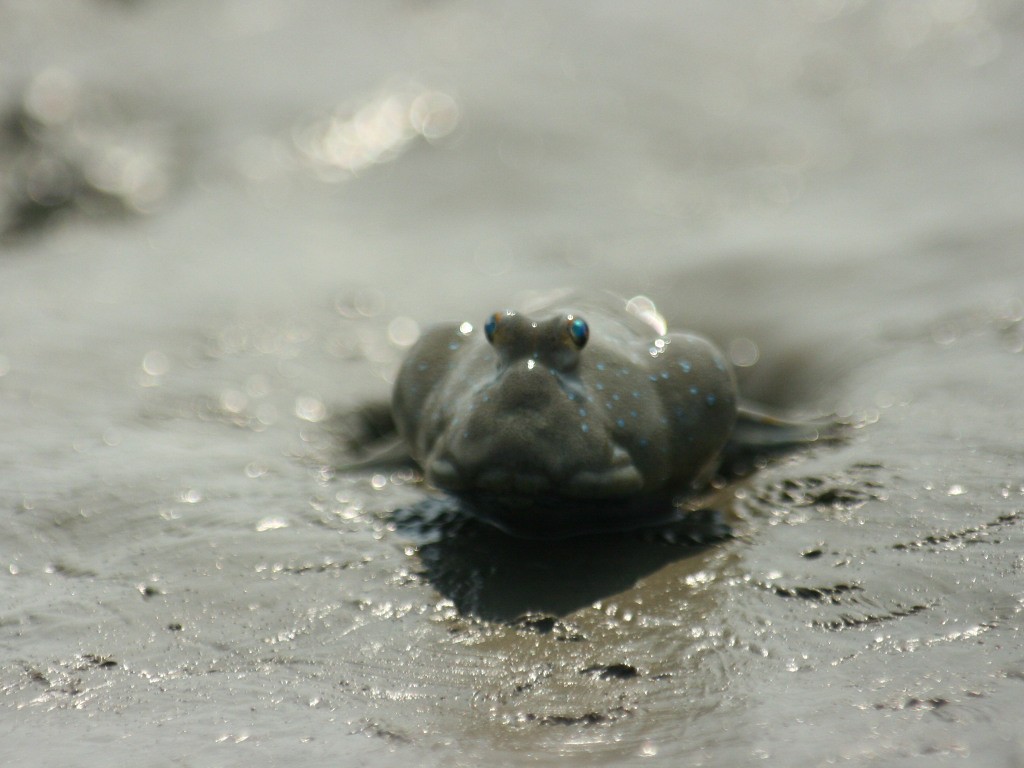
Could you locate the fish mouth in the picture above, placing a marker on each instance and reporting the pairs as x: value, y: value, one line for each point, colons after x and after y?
x: 613, y: 482
x: 514, y: 481
x: 445, y: 474
x: 620, y: 478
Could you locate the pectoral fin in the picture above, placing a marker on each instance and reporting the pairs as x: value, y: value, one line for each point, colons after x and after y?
x: 761, y: 434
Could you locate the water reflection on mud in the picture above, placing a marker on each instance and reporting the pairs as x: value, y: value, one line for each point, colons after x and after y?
x: 351, y: 140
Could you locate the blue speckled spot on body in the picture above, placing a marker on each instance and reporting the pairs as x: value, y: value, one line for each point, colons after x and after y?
x: 685, y: 365
x: 600, y: 366
x: 621, y: 423
x: 711, y: 399
x: 585, y: 427
x: 694, y: 391
x: 454, y: 346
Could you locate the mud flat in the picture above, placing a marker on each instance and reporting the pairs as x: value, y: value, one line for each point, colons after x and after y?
x: 224, y: 230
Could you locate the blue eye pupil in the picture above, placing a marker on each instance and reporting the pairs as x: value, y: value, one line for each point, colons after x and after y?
x: 489, y: 327
x: 579, y: 332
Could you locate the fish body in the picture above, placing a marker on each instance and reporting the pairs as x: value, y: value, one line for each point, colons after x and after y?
x: 579, y: 405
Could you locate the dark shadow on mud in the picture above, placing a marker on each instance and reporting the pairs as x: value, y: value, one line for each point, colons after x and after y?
x: 491, y: 575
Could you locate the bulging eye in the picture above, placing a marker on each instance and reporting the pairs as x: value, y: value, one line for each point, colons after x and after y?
x: 491, y: 326
x: 579, y: 331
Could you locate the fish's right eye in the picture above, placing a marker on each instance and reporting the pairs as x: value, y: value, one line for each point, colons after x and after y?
x: 491, y: 326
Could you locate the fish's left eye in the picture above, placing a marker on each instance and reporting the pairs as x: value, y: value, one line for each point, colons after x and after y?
x: 579, y: 331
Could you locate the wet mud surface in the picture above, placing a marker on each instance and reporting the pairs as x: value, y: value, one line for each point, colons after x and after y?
x: 188, y: 575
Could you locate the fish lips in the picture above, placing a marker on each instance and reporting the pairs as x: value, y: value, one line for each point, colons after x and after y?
x: 617, y: 478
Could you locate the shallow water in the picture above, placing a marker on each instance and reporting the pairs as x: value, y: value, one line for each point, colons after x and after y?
x: 255, y: 205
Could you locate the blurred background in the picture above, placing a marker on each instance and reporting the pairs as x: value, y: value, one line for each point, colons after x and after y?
x: 263, y: 151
